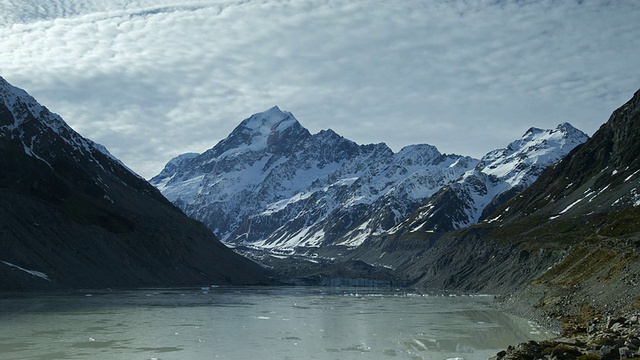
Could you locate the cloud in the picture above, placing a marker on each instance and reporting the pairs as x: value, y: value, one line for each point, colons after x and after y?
x: 153, y: 79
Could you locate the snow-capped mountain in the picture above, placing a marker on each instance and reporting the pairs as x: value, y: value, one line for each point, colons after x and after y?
x: 596, y: 187
x: 574, y: 233
x: 21, y: 126
x: 499, y: 175
x: 273, y: 185
x: 73, y: 213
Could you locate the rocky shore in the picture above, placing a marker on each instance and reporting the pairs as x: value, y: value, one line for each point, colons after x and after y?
x: 600, y: 339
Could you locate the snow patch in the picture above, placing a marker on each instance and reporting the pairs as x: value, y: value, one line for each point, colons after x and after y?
x: 632, y: 175
x: 357, y: 236
x: 355, y: 241
x: 635, y: 197
x: 417, y: 228
x: 603, y: 189
x: 31, y: 272
x: 282, y: 204
x: 570, y: 206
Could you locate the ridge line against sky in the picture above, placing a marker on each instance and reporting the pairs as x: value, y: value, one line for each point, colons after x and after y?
x: 154, y: 79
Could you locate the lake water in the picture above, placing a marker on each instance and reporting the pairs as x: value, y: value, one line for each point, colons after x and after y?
x: 256, y: 323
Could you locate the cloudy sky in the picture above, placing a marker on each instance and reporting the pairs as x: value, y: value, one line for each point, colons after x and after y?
x: 154, y: 79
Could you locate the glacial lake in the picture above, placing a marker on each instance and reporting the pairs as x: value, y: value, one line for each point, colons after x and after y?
x: 256, y: 323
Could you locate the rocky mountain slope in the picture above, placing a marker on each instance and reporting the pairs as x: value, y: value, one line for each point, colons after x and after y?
x: 588, y: 206
x: 272, y: 185
x: 72, y: 215
x: 566, y: 248
x: 565, y: 251
x: 499, y: 175
x: 598, y: 180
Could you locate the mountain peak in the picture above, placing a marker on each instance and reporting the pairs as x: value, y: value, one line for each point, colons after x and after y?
x: 4, y: 84
x: 537, y: 146
x: 565, y: 126
x: 18, y: 102
x: 533, y: 131
x: 275, y: 111
x: 598, y: 179
x: 420, y: 148
x: 27, y: 115
x: 499, y: 175
x: 569, y: 131
x: 272, y: 184
x: 264, y: 122
x: 272, y: 128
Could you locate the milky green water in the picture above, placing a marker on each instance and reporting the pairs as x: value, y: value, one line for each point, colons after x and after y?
x: 256, y: 323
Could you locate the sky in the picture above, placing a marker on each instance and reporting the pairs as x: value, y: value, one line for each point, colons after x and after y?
x: 154, y: 79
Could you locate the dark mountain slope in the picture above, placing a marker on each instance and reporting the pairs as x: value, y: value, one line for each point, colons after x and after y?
x: 569, y: 245
x: 592, y: 192
x: 70, y: 210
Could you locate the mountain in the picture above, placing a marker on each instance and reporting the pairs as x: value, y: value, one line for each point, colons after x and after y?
x: 598, y: 183
x: 273, y: 185
x: 565, y: 248
x: 499, y: 175
x: 72, y: 215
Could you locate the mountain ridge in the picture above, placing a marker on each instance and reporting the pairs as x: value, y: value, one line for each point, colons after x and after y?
x: 565, y: 249
x: 303, y: 192
x: 316, y: 188
x: 70, y: 210
x: 594, y: 171
x: 499, y: 175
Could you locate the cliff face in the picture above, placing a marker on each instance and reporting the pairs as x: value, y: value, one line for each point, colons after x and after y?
x: 73, y: 213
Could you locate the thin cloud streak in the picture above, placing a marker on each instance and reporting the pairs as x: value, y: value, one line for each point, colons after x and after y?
x: 153, y: 79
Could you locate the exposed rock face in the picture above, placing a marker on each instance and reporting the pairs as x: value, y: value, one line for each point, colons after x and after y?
x: 272, y: 185
x: 70, y: 210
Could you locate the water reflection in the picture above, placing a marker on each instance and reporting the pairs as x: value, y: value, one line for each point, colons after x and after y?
x: 261, y: 323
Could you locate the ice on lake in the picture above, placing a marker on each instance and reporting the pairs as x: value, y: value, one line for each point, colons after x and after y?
x: 255, y: 323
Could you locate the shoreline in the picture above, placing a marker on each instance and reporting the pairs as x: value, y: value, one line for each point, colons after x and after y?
x: 598, y: 337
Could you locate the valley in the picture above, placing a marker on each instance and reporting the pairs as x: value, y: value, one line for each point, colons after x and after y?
x: 548, y: 224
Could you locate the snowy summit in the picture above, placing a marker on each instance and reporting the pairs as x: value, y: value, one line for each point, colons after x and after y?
x: 271, y: 184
